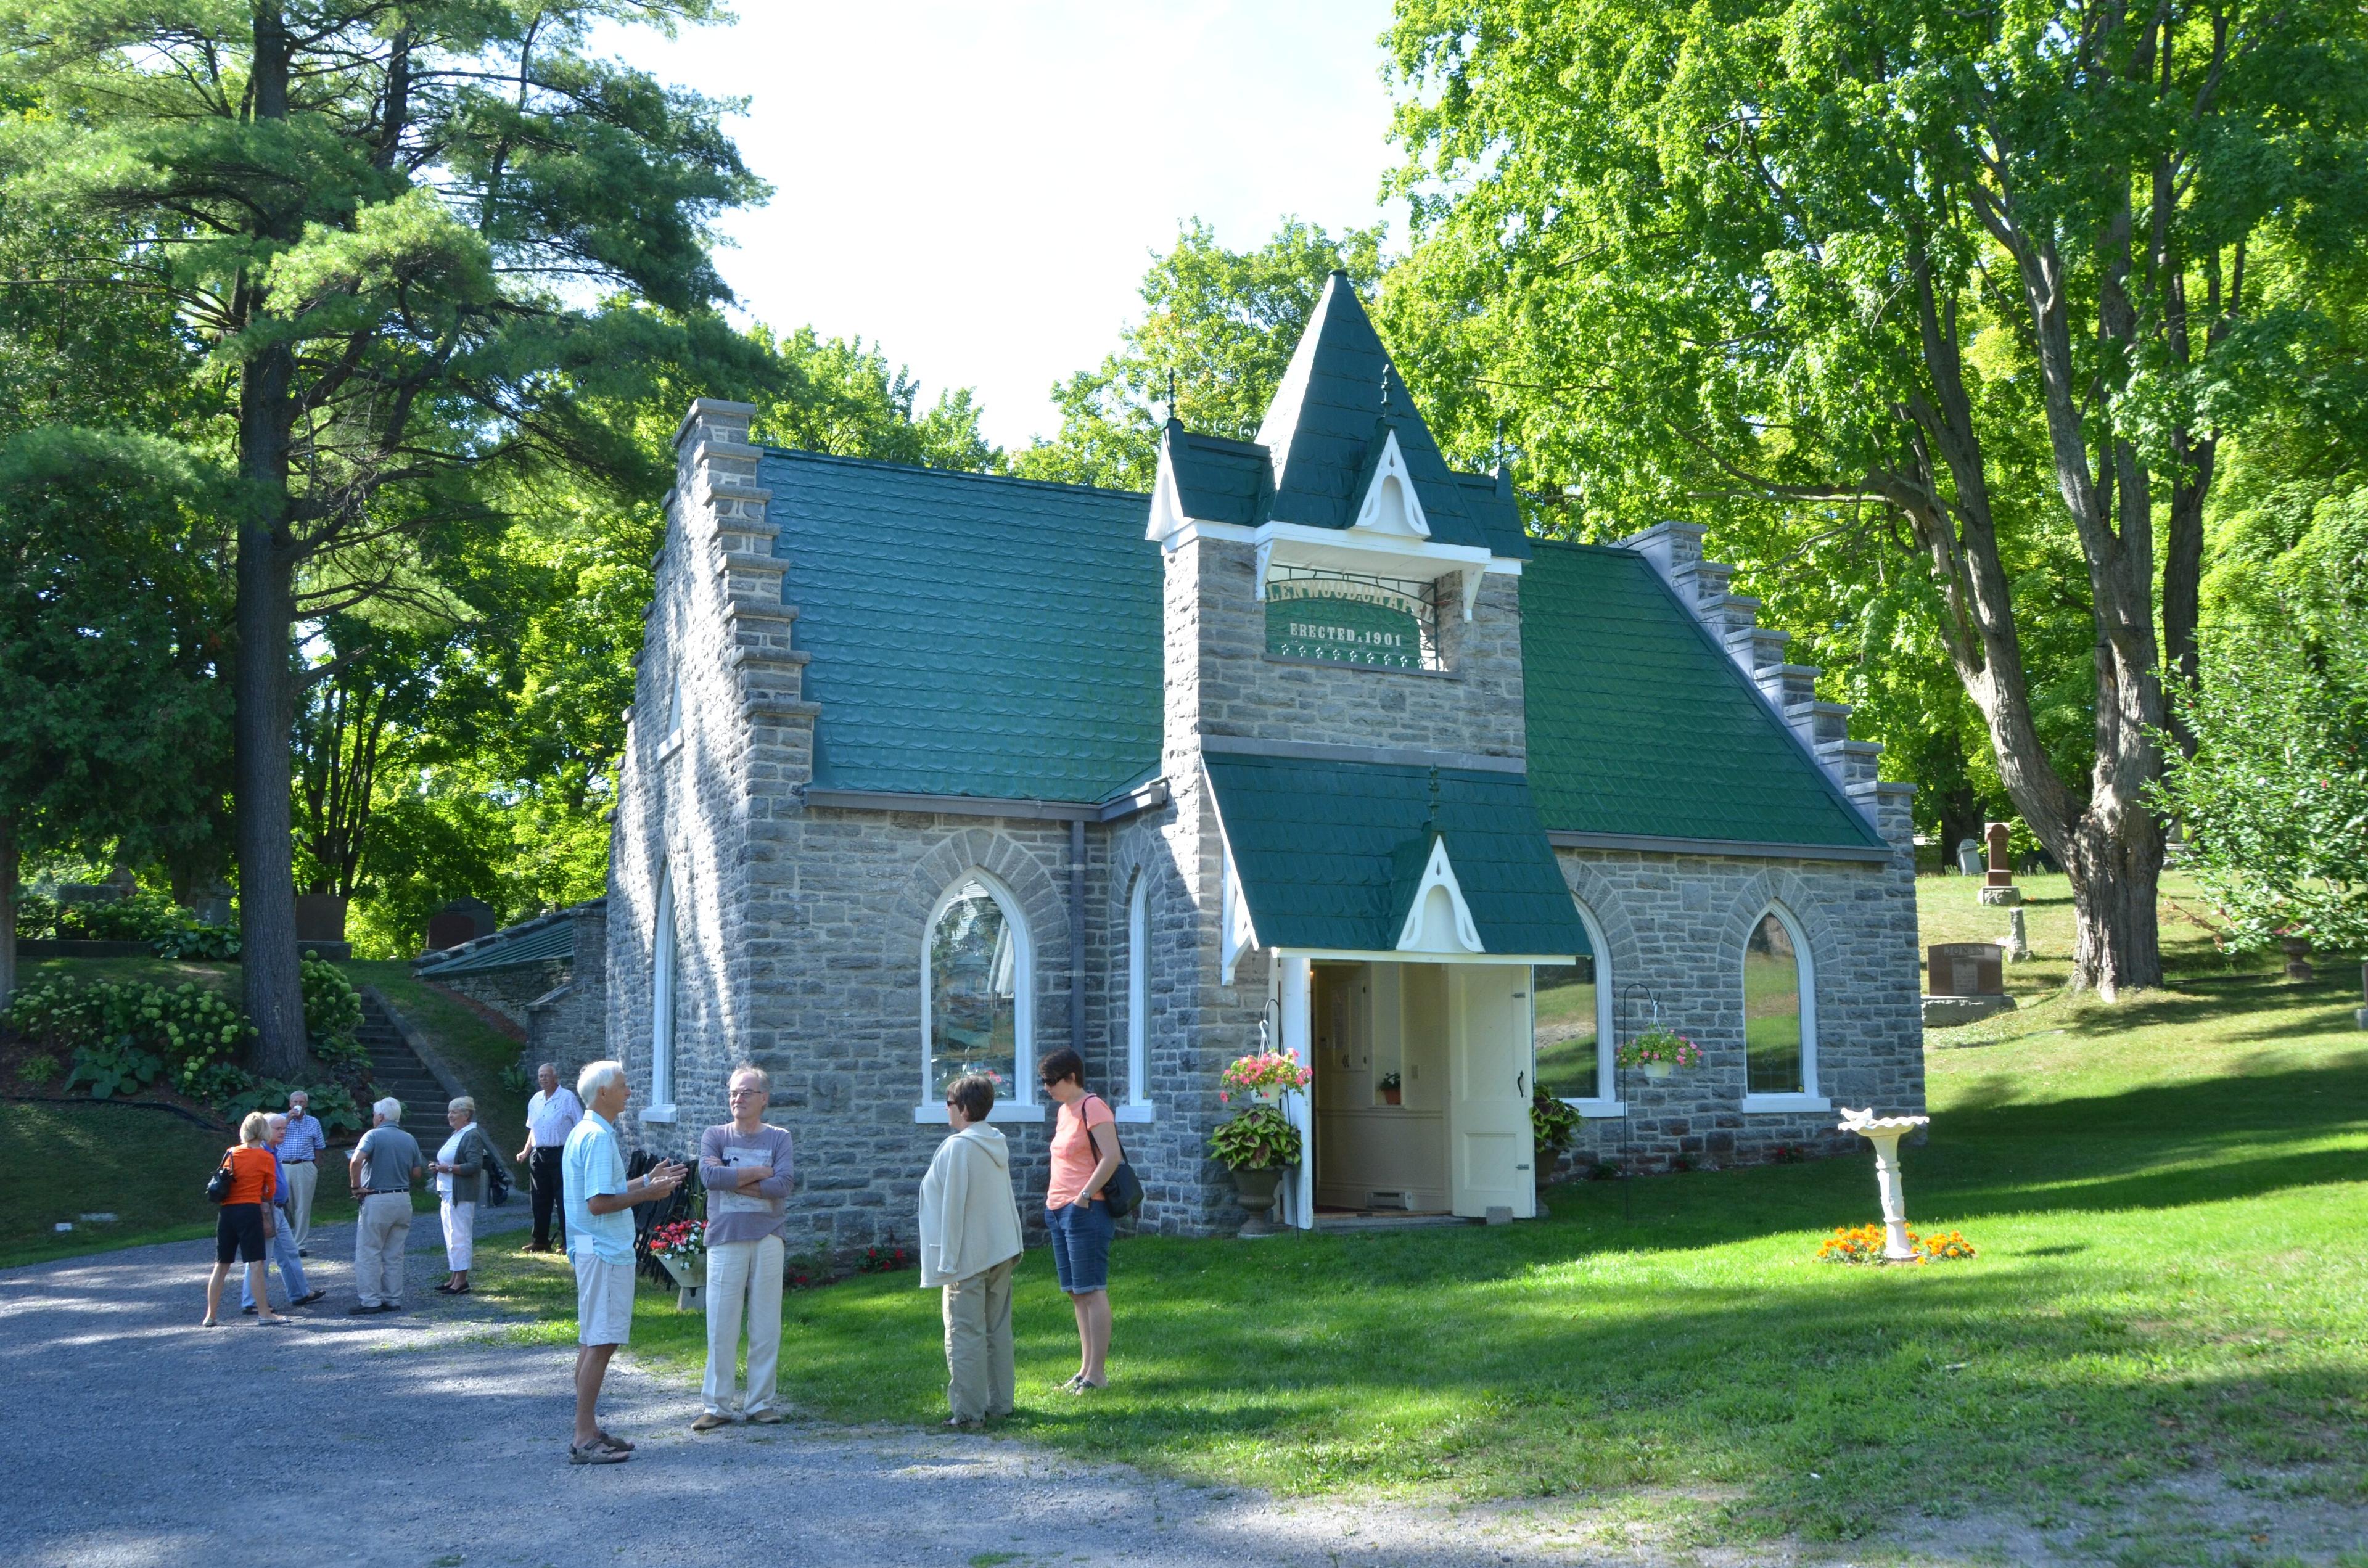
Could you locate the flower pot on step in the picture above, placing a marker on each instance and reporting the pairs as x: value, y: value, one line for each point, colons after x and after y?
x: 690, y: 1281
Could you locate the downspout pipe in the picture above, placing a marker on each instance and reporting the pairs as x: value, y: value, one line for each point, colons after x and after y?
x: 1077, y: 938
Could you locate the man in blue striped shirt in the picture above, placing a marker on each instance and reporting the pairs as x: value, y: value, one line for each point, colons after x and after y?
x: 299, y: 1151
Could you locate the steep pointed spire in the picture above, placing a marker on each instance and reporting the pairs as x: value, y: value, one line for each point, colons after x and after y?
x: 1338, y: 398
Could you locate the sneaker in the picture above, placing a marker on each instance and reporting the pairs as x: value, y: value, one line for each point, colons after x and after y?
x: 767, y: 1417
x: 364, y: 1309
x: 711, y: 1422
x: 247, y: 1311
x: 308, y: 1298
x: 303, y: 1252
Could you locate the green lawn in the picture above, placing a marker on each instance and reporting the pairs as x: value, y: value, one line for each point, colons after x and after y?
x: 2170, y: 1306
x: 477, y: 1051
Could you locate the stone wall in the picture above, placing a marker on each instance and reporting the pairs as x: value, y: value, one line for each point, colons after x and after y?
x: 1675, y: 928
x: 509, y: 992
x: 567, y: 1026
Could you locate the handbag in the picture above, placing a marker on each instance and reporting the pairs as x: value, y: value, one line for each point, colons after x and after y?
x: 1123, y: 1192
x: 498, y: 1177
x: 218, y: 1185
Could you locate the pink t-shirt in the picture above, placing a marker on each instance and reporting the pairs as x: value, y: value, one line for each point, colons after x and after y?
x: 1073, y: 1156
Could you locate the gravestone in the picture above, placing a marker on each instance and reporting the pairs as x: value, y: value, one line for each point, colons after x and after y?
x: 1998, y: 887
x: 462, y: 920
x: 2018, y: 939
x: 1966, y: 983
x: 1969, y: 857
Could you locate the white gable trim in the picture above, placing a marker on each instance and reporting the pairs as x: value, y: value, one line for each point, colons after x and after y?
x: 1236, y: 931
x: 1455, y: 935
x: 1377, y: 513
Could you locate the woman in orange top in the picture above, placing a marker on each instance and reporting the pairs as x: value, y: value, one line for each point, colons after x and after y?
x: 246, y: 1218
x: 1085, y: 1153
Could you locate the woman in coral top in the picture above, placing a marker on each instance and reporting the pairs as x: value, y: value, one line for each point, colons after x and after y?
x: 246, y: 1218
x: 1085, y: 1153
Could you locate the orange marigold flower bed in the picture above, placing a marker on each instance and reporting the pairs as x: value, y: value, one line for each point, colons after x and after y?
x: 1864, y: 1243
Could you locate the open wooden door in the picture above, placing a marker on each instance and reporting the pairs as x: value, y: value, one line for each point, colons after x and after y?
x: 1488, y: 1110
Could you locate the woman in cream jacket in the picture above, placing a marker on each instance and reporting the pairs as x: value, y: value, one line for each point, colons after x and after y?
x: 970, y: 1245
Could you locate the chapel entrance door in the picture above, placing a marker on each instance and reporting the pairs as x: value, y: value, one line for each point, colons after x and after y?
x: 1491, y: 1149
x: 1379, y: 1033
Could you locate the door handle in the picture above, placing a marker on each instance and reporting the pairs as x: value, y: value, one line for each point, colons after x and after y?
x: 1521, y: 1082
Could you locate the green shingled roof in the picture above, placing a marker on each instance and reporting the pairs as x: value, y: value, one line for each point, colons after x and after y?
x: 515, y: 947
x: 1639, y: 725
x: 1328, y: 852
x: 971, y: 634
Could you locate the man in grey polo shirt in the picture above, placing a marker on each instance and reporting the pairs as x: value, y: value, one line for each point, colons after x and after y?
x: 381, y: 1169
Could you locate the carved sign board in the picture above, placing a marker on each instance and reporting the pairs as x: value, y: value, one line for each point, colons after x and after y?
x: 1967, y: 969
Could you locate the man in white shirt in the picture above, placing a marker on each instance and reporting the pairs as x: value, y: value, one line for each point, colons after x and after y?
x: 550, y: 1115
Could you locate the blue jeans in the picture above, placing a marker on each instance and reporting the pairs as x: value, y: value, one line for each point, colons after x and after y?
x: 283, y: 1253
x: 1081, y: 1243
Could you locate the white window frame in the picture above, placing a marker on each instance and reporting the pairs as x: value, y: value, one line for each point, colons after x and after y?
x: 1138, y: 1106
x: 671, y: 741
x: 666, y: 959
x: 1605, y: 1101
x: 1805, y: 964
x: 1023, y: 1106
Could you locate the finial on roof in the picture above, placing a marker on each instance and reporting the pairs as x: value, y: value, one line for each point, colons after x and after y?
x: 1430, y: 819
x: 1171, y: 392
x: 1385, y: 387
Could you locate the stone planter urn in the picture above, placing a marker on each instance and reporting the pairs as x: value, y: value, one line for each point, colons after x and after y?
x: 1254, y: 1189
x: 690, y: 1281
x: 2297, y: 951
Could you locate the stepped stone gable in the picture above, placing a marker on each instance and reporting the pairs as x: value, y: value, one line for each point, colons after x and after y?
x: 862, y: 681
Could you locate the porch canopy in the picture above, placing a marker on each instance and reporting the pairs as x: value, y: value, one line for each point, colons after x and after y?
x: 1340, y: 856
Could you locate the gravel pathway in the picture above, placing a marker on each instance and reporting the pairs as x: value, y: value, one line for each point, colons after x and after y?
x: 419, y: 1440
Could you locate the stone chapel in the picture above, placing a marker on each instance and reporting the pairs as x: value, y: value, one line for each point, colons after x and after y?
x: 933, y: 772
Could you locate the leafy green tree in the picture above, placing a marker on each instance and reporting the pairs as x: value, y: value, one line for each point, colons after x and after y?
x: 1982, y: 275
x: 1223, y: 323
x: 2274, y: 798
x: 380, y: 224
x: 113, y: 628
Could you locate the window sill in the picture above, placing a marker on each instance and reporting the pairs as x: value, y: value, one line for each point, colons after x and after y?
x: 670, y: 745
x: 664, y: 1114
x: 1770, y: 1105
x: 1003, y: 1110
x: 1597, y: 1108
x: 1130, y: 1113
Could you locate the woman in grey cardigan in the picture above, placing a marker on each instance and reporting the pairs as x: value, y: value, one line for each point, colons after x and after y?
x: 460, y: 1168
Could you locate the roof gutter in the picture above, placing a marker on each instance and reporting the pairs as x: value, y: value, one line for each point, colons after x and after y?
x: 1652, y: 843
x: 1149, y: 797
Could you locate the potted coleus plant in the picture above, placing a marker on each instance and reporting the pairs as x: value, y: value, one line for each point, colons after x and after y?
x: 1258, y: 1146
x: 1659, y: 1051
x: 1393, y: 1089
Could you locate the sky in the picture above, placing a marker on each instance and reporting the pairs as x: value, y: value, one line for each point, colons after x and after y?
x: 980, y: 186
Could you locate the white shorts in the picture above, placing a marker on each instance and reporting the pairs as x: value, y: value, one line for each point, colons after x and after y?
x: 604, y: 1301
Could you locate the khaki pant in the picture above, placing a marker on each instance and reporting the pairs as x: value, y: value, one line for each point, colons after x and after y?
x: 743, y: 1277
x: 301, y: 1181
x: 381, y: 1232
x: 978, y: 1343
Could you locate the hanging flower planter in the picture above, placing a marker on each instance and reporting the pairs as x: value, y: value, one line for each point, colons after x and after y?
x: 1659, y: 1053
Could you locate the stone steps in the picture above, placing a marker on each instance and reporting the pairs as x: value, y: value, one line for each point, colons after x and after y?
x: 395, y: 1069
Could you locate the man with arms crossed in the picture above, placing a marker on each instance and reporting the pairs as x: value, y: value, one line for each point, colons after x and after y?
x: 600, y: 1200
x: 303, y: 1145
x: 550, y: 1115
x: 746, y: 1165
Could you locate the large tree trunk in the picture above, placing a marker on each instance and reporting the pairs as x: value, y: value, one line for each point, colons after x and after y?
x: 2115, y: 877
x: 266, y: 615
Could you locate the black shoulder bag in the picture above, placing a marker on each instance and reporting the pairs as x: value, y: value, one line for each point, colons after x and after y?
x: 218, y: 1187
x: 1123, y: 1192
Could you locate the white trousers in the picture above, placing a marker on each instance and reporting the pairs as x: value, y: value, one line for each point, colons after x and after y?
x: 459, y: 1234
x: 381, y: 1233
x: 743, y: 1277
x: 301, y: 1178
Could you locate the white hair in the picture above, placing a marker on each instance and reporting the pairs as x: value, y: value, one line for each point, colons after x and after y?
x: 388, y: 1110
x: 276, y: 1119
x: 596, y: 1076
x: 463, y: 1103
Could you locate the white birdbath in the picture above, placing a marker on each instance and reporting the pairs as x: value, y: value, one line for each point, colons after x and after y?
x: 1884, y: 1132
